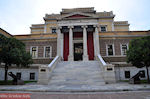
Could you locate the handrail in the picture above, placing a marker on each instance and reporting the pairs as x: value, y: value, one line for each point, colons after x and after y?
x: 101, y: 60
x: 53, y: 61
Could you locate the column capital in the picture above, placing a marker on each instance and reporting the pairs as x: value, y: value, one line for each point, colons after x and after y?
x: 84, y: 26
x: 59, y: 27
x: 71, y: 27
x: 96, y: 26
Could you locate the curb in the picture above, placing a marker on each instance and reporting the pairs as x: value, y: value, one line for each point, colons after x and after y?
x: 73, y: 91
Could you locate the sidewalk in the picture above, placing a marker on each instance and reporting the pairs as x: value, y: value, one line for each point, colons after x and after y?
x: 77, y: 88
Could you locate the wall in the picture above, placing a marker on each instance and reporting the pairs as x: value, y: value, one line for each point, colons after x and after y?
x: 133, y: 70
x: 116, y: 42
x: 121, y: 28
x: 25, y: 73
x: 41, y: 59
x: 106, y: 22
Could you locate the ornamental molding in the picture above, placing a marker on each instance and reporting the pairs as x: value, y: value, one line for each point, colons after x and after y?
x: 75, y: 13
x: 77, y: 22
x: 123, y: 35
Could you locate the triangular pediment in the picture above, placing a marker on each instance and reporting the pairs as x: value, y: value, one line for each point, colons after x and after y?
x: 77, y: 15
x: 5, y: 33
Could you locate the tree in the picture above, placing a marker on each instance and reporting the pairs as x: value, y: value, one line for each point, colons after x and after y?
x: 139, y: 53
x: 12, y: 51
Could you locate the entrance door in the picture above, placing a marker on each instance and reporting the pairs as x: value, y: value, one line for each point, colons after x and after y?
x: 78, y: 51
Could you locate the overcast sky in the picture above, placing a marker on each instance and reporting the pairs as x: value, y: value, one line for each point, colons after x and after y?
x: 16, y: 16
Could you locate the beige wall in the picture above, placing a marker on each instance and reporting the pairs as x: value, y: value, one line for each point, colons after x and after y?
x: 106, y: 22
x: 121, y: 28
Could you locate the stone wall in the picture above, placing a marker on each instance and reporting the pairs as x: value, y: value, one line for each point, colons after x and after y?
x: 40, y: 44
x: 116, y: 42
x: 42, y: 61
x: 25, y: 73
x: 114, y: 59
x: 120, y: 72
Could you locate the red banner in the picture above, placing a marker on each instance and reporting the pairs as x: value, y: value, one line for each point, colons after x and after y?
x: 15, y: 96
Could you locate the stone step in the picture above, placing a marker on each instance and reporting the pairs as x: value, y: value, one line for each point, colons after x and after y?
x: 77, y: 73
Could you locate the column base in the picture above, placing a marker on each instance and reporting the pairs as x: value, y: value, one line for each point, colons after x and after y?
x: 85, y: 58
x: 70, y: 58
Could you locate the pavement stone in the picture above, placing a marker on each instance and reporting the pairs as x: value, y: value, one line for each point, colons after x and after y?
x: 86, y: 95
x: 76, y: 88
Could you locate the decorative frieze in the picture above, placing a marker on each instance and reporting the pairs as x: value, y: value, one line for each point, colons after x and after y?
x: 77, y: 22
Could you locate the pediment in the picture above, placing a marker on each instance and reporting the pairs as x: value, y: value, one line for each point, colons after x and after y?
x: 3, y: 32
x: 77, y: 15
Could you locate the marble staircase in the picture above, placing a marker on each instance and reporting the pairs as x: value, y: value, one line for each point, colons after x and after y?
x: 77, y: 73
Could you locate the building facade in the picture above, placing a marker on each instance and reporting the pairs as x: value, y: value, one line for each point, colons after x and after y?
x: 81, y: 34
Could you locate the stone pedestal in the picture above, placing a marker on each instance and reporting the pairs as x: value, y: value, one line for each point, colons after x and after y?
x: 44, y: 75
x: 109, y: 73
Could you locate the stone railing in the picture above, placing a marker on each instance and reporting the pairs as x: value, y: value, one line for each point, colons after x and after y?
x: 100, y: 59
x: 108, y: 70
x: 45, y: 71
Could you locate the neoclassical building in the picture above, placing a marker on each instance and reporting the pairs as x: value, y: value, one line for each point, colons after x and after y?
x: 81, y: 35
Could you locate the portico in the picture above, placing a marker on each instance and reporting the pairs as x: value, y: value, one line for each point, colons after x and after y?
x: 85, y: 36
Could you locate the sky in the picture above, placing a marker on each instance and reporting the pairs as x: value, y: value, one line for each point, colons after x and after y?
x: 17, y: 16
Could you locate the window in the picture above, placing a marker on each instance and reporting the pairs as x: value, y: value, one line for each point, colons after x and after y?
x: 103, y: 28
x: 32, y: 76
x: 127, y: 74
x: 18, y: 75
x: 34, y: 52
x: 47, y: 51
x: 110, y: 50
x: 124, y: 48
x: 142, y: 73
x: 53, y: 30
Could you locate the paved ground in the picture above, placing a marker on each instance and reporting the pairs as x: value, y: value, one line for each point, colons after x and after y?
x: 71, y: 88
x: 89, y: 95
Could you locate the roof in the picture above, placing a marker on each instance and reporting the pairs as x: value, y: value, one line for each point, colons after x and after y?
x: 89, y: 11
x: 84, y: 10
x: 5, y: 33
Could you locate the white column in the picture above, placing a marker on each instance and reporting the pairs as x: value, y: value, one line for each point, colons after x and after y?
x: 59, y: 41
x: 85, y: 55
x: 70, y: 57
x: 62, y: 45
x: 96, y: 41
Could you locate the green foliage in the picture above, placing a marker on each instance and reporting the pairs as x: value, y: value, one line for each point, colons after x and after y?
x: 26, y: 59
x: 12, y: 51
x: 139, y: 52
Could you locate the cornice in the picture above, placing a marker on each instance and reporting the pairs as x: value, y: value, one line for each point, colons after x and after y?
x: 6, y: 32
x: 110, y: 36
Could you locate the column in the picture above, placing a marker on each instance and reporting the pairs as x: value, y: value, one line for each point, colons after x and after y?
x: 62, y: 45
x: 70, y: 57
x: 96, y: 41
x: 59, y: 39
x: 85, y: 55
